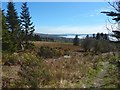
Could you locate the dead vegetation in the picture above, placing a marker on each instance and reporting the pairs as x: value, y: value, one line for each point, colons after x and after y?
x: 64, y: 46
x: 73, y: 70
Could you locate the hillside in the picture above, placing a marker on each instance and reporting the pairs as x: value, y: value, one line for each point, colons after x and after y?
x: 60, y: 45
x: 72, y: 70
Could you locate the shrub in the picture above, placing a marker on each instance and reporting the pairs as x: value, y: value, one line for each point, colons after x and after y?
x: 87, y: 44
x: 47, y: 52
x: 102, y: 46
x: 97, y: 46
x: 9, y: 58
x: 33, y: 73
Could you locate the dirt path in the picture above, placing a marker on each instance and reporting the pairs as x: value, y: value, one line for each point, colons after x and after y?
x: 98, y: 81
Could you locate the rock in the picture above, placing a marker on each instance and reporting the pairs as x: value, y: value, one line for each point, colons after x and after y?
x: 66, y: 56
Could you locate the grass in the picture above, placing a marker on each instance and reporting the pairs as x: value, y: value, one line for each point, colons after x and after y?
x: 64, y: 46
x: 77, y: 71
x: 111, y: 78
x: 65, y: 72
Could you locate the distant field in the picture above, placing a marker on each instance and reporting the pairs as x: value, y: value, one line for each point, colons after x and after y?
x: 65, y: 46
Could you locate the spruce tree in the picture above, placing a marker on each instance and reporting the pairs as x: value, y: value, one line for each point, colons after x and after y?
x: 4, y: 24
x: 76, y: 41
x: 27, y: 25
x: 14, y: 25
x: 7, y: 43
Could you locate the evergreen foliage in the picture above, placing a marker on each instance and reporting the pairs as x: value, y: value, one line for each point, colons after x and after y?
x: 16, y: 30
x: 7, y: 43
x: 13, y: 23
x: 101, y: 36
x: 76, y: 41
x: 27, y: 25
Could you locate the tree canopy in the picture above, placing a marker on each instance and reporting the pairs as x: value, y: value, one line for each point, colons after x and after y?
x: 27, y: 25
x: 16, y: 30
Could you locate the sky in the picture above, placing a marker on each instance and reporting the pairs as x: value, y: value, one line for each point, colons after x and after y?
x: 66, y: 17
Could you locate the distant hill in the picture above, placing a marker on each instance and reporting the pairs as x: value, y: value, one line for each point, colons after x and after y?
x: 65, y: 37
x: 53, y: 37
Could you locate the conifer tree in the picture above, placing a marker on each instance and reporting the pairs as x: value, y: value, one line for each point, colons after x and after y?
x: 76, y: 41
x: 4, y: 24
x: 27, y: 25
x: 7, y: 43
x: 14, y: 25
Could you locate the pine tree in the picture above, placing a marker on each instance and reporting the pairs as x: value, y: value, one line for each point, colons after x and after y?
x: 98, y: 36
x: 14, y: 25
x: 76, y: 41
x: 4, y: 24
x: 7, y: 43
x: 27, y: 25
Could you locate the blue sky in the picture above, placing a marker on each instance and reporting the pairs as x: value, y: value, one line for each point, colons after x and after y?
x: 66, y: 17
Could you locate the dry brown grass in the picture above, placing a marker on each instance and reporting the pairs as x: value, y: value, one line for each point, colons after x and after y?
x: 64, y: 46
x: 75, y: 71
x: 72, y: 72
x: 68, y: 72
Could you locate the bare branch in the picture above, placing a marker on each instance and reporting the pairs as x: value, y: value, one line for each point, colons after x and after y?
x: 109, y: 30
x: 113, y: 5
x: 111, y: 22
x: 118, y: 5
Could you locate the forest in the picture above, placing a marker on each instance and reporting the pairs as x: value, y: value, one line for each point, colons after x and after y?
x: 29, y: 61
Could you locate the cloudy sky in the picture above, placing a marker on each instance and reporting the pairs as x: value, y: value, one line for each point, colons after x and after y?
x: 66, y: 17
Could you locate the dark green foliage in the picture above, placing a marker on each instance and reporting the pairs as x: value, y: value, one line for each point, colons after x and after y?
x: 12, y: 18
x: 87, y: 36
x: 98, y: 36
x: 101, y: 36
x: 47, y: 52
x: 4, y: 25
x: 7, y: 43
x: 117, y: 35
x: 27, y: 25
x: 13, y: 21
x: 76, y: 41
x: 36, y: 37
x: 14, y: 28
x: 93, y: 35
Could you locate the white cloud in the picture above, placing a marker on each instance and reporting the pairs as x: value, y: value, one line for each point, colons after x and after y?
x: 72, y: 29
